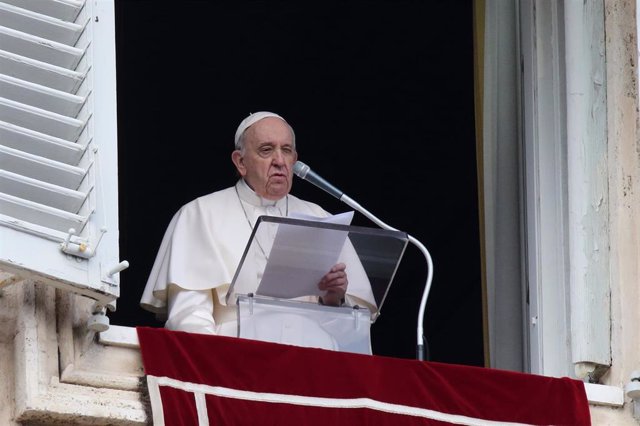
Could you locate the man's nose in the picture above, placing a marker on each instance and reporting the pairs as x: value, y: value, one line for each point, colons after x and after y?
x: 278, y: 156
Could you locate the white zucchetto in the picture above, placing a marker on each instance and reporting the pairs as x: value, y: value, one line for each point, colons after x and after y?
x: 252, y: 119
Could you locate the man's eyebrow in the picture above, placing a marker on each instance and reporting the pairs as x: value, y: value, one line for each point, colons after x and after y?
x: 271, y: 143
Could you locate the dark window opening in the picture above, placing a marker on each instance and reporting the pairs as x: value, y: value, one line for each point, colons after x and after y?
x: 380, y: 94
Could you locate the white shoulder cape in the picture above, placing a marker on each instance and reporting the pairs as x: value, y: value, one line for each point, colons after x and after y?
x: 204, y: 243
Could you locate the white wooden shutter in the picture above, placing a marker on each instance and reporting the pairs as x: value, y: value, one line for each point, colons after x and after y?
x: 58, y: 144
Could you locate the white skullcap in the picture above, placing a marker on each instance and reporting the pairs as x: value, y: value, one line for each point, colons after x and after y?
x: 252, y: 119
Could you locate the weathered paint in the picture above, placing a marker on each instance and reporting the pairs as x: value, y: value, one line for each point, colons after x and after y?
x: 587, y: 183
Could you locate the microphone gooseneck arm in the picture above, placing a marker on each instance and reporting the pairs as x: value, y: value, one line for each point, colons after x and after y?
x: 304, y: 172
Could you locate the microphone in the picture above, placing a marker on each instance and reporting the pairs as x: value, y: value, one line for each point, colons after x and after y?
x: 304, y: 172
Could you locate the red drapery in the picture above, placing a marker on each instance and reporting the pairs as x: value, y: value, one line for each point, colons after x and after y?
x: 199, y: 379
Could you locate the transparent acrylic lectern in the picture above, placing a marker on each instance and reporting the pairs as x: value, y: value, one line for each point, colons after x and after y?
x: 276, y: 290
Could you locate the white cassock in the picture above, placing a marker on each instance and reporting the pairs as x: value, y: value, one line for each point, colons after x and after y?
x: 199, y: 254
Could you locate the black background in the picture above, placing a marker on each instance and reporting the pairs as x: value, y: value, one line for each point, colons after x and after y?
x: 380, y: 94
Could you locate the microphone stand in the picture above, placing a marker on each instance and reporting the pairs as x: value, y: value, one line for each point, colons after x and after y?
x: 304, y: 172
x: 420, y: 348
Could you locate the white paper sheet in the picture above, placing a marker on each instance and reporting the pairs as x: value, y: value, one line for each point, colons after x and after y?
x: 301, y: 256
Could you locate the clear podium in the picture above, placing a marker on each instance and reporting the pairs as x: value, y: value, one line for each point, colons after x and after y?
x: 275, y: 287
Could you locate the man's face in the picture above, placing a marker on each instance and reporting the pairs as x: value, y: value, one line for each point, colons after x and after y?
x: 267, y: 162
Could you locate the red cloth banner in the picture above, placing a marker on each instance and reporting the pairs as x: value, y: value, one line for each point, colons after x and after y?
x: 197, y: 379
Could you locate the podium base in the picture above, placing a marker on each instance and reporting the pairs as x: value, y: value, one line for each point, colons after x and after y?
x: 345, y: 328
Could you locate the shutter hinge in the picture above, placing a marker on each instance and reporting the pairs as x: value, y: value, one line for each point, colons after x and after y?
x: 80, y: 249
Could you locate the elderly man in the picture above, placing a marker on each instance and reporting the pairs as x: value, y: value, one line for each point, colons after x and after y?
x: 205, y: 240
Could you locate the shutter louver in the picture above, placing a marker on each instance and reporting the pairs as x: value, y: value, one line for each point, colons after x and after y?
x: 35, y: 185
x: 57, y: 107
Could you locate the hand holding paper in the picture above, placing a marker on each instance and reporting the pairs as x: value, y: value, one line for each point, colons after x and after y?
x: 335, y: 284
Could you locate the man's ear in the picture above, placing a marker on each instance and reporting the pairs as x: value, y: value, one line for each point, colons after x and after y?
x: 238, y: 161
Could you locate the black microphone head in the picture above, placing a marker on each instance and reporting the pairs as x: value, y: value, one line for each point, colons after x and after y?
x: 300, y: 169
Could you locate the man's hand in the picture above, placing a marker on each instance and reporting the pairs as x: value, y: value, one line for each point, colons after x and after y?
x: 335, y: 284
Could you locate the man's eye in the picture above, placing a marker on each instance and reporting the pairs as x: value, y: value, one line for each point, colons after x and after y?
x: 265, y: 150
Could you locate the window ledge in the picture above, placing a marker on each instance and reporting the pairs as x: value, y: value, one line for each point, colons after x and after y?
x: 611, y: 396
x: 121, y: 336
x: 603, y: 395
